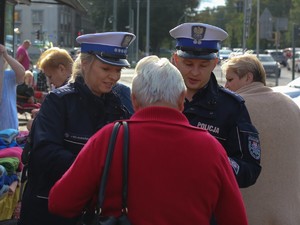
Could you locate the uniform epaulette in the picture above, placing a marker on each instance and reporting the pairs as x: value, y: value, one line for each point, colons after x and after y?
x: 64, y: 90
x: 233, y: 94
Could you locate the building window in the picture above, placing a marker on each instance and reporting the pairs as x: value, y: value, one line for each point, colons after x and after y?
x: 17, y: 16
x: 37, y: 16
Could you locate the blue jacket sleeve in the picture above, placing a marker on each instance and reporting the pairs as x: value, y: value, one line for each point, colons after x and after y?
x: 245, y: 160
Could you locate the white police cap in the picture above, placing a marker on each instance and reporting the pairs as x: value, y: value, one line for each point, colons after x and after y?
x: 198, y: 40
x: 109, y: 47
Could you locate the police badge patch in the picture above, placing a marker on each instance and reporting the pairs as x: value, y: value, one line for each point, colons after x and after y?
x: 254, y: 147
x: 198, y: 33
x: 234, y: 166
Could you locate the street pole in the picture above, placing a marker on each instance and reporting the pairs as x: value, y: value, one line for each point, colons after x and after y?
x: 244, y: 27
x: 148, y: 28
x: 276, y: 46
x: 294, y: 51
x: 130, y: 29
x: 257, y: 27
x: 137, y: 29
x: 115, y: 16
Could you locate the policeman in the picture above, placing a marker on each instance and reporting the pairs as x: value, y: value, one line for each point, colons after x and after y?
x: 70, y: 115
x: 212, y: 107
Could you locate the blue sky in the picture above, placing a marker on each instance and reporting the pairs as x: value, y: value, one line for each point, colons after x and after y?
x: 211, y: 3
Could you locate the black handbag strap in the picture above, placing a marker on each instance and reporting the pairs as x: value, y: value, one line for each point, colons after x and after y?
x: 107, y: 164
x: 125, y: 167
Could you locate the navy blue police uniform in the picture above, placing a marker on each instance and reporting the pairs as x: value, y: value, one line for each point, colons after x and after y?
x: 69, y: 116
x: 224, y: 114
x: 216, y: 109
x: 78, y: 115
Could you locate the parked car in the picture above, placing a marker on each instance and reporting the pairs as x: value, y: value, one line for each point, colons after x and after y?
x: 224, y: 54
x: 297, y: 62
x: 297, y: 100
x: 279, y: 57
x: 270, y: 65
x: 292, y: 89
x: 294, y: 83
x: 278, y: 54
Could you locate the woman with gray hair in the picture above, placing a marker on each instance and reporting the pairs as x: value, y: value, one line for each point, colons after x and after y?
x: 177, y: 173
x: 157, y: 82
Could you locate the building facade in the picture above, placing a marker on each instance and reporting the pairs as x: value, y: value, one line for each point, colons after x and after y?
x: 45, y: 23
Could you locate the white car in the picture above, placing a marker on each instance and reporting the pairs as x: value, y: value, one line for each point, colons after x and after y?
x: 224, y: 54
x: 292, y: 89
x: 294, y: 83
x: 297, y: 62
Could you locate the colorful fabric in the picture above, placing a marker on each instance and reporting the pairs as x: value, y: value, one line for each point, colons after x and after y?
x: 8, y: 135
x: 10, y: 164
x: 3, y: 186
x: 13, y: 152
x: 8, y: 204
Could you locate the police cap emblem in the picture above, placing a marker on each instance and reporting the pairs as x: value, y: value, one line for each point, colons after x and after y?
x: 198, y: 33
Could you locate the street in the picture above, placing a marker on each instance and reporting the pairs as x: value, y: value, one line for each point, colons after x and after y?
x: 286, y: 77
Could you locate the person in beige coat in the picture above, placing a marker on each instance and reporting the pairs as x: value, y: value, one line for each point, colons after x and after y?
x: 275, y: 198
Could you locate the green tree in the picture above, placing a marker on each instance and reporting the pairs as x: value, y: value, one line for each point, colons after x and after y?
x: 231, y: 18
x: 164, y: 15
x: 294, y: 21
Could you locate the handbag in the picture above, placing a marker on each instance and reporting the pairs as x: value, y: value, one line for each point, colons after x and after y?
x: 96, y: 218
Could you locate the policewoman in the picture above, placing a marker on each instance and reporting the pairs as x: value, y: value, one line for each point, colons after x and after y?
x: 70, y: 115
x: 212, y: 107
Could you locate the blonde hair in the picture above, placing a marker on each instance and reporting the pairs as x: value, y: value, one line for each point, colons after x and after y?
x: 28, y: 73
x: 243, y: 64
x: 53, y: 57
x: 28, y: 77
x: 77, y: 69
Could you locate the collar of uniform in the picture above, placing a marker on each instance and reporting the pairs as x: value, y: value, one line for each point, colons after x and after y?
x: 209, y: 93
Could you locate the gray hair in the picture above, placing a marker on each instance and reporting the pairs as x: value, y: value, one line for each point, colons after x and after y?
x: 157, y: 80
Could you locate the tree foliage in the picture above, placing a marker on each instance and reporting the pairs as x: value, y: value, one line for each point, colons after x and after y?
x: 166, y: 14
x: 232, y: 20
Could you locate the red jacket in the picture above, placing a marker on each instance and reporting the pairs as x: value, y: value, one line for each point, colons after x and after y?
x: 178, y: 174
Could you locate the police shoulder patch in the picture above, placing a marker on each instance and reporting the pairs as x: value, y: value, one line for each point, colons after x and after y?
x: 234, y: 95
x: 254, y: 147
x: 234, y: 165
x: 64, y: 90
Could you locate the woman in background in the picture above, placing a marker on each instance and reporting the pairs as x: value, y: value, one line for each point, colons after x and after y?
x: 276, y: 117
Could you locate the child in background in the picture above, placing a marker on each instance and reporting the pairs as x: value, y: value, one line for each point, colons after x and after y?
x: 25, y: 91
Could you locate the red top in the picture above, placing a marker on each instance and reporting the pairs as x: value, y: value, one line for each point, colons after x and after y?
x: 178, y: 174
x: 23, y: 54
